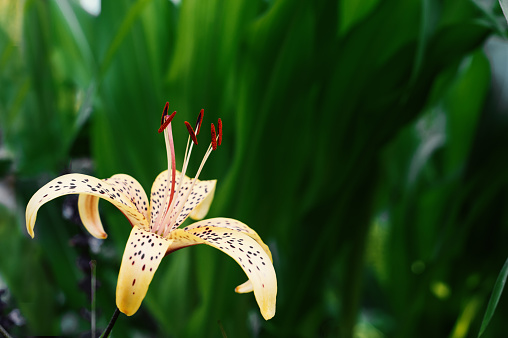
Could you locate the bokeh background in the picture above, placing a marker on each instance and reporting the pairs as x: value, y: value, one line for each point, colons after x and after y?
x: 365, y: 141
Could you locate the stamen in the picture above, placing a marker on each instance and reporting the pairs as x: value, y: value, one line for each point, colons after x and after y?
x: 191, y: 133
x: 214, y: 138
x: 220, y: 131
x: 176, y: 198
x: 177, y: 212
x: 167, y: 121
x: 164, y: 113
x: 199, y: 121
x: 168, y: 217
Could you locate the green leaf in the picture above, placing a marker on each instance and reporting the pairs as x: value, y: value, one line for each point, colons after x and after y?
x: 494, y: 298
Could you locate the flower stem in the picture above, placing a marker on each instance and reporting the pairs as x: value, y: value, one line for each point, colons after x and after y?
x: 93, y: 265
x: 111, y: 324
x: 4, y: 332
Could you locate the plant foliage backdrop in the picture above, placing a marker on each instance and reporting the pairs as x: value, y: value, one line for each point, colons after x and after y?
x: 364, y: 141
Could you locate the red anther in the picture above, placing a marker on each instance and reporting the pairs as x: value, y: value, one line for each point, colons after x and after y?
x: 199, y: 121
x: 166, y: 122
x: 164, y: 112
x: 191, y: 133
x: 214, y: 138
x: 219, y: 124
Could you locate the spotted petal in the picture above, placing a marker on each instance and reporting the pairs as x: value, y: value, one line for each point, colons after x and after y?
x: 131, y: 187
x: 141, y: 258
x: 199, y: 200
x: 232, y: 224
x: 201, y: 209
x: 88, y: 205
x: 237, y: 226
x: 244, y: 249
x: 157, y: 195
x: 83, y: 184
x: 197, y: 204
x: 245, y: 287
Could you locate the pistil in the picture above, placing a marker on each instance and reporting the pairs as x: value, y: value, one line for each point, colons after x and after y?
x: 170, y: 149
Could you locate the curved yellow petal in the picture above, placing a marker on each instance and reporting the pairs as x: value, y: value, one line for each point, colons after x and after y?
x: 197, y: 204
x: 83, y: 184
x: 245, y: 287
x: 233, y: 224
x: 132, y: 188
x: 88, y: 205
x: 244, y: 249
x: 141, y: 258
x: 157, y: 194
x: 201, y: 209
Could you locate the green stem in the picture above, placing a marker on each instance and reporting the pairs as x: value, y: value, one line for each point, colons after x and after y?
x: 111, y: 324
x: 93, y: 264
x: 4, y: 332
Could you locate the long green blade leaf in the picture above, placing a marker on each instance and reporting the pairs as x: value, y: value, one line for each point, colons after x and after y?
x: 494, y: 299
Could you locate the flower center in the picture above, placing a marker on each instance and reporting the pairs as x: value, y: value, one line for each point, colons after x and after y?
x: 174, y: 199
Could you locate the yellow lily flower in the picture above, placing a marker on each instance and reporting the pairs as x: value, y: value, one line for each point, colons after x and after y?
x: 155, y: 225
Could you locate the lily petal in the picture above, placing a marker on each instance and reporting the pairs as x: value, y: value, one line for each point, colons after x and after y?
x: 245, y: 287
x: 199, y: 201
x: 83, y: 184
x: 130, y: 187
x: 233, y: 224
x: 202, y: 208
x: 197, y: 204
x: 141, y: 258
x: 244, y: 249
x: 88, y: 205
x: 157, y: 195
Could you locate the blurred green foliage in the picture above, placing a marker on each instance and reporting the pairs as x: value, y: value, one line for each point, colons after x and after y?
x: 364, y: 141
